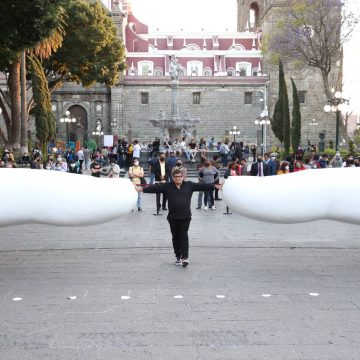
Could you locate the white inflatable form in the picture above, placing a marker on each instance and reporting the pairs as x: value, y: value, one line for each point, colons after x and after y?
x: 323, y: 194
x: 62, y: 199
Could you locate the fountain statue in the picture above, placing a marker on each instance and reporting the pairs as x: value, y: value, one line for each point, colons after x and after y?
x: 176, y: 126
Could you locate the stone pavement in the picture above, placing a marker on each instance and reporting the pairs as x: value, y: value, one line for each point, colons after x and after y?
x: 132, y: 302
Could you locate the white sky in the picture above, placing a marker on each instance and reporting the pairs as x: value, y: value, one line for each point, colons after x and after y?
x: 219, y: 15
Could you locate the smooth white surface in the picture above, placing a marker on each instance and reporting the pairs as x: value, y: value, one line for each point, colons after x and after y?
x: 62, y: 199
x: 322, y: 194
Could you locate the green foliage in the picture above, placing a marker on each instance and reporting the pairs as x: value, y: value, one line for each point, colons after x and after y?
x: 91, y: 50
x: 296, y: 118
x: 24, y: 24
x: 331, y: 144
x: 283, y: 94
x: 44, y: 118
x: 352, y: 147
x: 330, y: 151
x: 357, y: 137
x: 277, y: 121
x: 91, y: 144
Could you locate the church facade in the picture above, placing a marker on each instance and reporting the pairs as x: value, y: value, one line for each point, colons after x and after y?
x: 224, y: 82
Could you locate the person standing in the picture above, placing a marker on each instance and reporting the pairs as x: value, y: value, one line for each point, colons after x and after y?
x: 179, y: 193
x: 209, y: 174
x: 136, y: 173
x: 87, y: 158
x: 162, y: 173
x: 136, y: 150
x: 80, y: 156
x: 171, y: 161
x: 259, y: 168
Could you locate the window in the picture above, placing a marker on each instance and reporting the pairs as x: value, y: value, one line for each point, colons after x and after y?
x: 230, y: 71
x: 144, y: 98
x: 302, y: 97
x: 196, y: 97
x: 248, y: 98
x: 243, y: 68
x: 145, y: 68
x: 194, y: 68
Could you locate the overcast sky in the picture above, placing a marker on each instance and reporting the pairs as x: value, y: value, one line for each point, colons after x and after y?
x: 219, y: 15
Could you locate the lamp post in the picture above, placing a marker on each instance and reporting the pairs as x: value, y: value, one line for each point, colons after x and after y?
x: 336, y: 104
x: 263, y: 120
x: 98, y: 131
x: 68, y: 119
x: 234, y: 132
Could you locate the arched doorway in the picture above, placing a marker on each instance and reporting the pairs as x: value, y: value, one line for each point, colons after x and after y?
x: 79, y: 130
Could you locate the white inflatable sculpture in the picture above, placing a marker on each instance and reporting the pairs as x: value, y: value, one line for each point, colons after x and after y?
x: 323, y: 194
x: 62, y: 199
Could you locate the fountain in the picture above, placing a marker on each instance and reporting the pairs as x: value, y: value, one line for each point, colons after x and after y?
x: 177, y: 126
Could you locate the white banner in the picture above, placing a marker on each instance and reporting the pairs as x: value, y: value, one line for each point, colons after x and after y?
x: 108, y: 140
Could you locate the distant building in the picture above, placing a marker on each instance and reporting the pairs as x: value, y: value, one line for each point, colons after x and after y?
x: 224, y: 81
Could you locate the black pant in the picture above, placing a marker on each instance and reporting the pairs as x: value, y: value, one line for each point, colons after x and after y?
x: 158, y: 202
x: 179, y: 230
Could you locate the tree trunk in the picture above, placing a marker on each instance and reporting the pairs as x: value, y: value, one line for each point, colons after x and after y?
x: 24, y: 124
x: 14, y: 90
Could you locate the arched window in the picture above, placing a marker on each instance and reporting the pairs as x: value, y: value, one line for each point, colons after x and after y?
x: 230, y: 71
x: 145, y: 68
x: 192, y: 47
x: 207, y: 71
x: 194, y: 68
x: 132, y: 71
x: 158, y: 71
x: 237, y: 47
x: 243, y: 68
x: 254, y: 15
x: 255, y: 71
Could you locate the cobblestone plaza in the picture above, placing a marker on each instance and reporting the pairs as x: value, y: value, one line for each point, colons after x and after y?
x: 252, y: 290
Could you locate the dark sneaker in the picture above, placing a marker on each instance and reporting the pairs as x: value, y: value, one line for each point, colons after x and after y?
x: 178, y: 261
x: 164, y: 208
x: 185, y: 262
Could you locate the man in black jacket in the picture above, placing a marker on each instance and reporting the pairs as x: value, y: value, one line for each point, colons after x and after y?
x: 260, y: 168
x: 162, y: 173
x: 179, y: 193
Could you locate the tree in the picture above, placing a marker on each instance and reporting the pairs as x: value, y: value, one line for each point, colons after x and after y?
x: 44, y: 118
x: 285, y: 108
x: 296, y: 118
x: 23, y: 25
x: 280, y: 124
x: 277, y: 121
x: 91, y: 51
x: 312, y: 33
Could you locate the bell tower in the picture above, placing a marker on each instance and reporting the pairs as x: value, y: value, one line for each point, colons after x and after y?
x: 249, y: 14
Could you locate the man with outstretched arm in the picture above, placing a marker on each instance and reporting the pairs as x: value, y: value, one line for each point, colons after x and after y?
x: 179, y: 193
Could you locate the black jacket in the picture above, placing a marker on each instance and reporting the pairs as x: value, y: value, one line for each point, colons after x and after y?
x: 179, y: 200
x: 255, y: 169
x: 157, y: 171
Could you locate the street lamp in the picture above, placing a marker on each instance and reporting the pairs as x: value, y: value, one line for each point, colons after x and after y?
x: 98, y: 131
x: 68, y: 119
x: 234, y: 132
x: 263, y: 120
x: 336, y: 104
